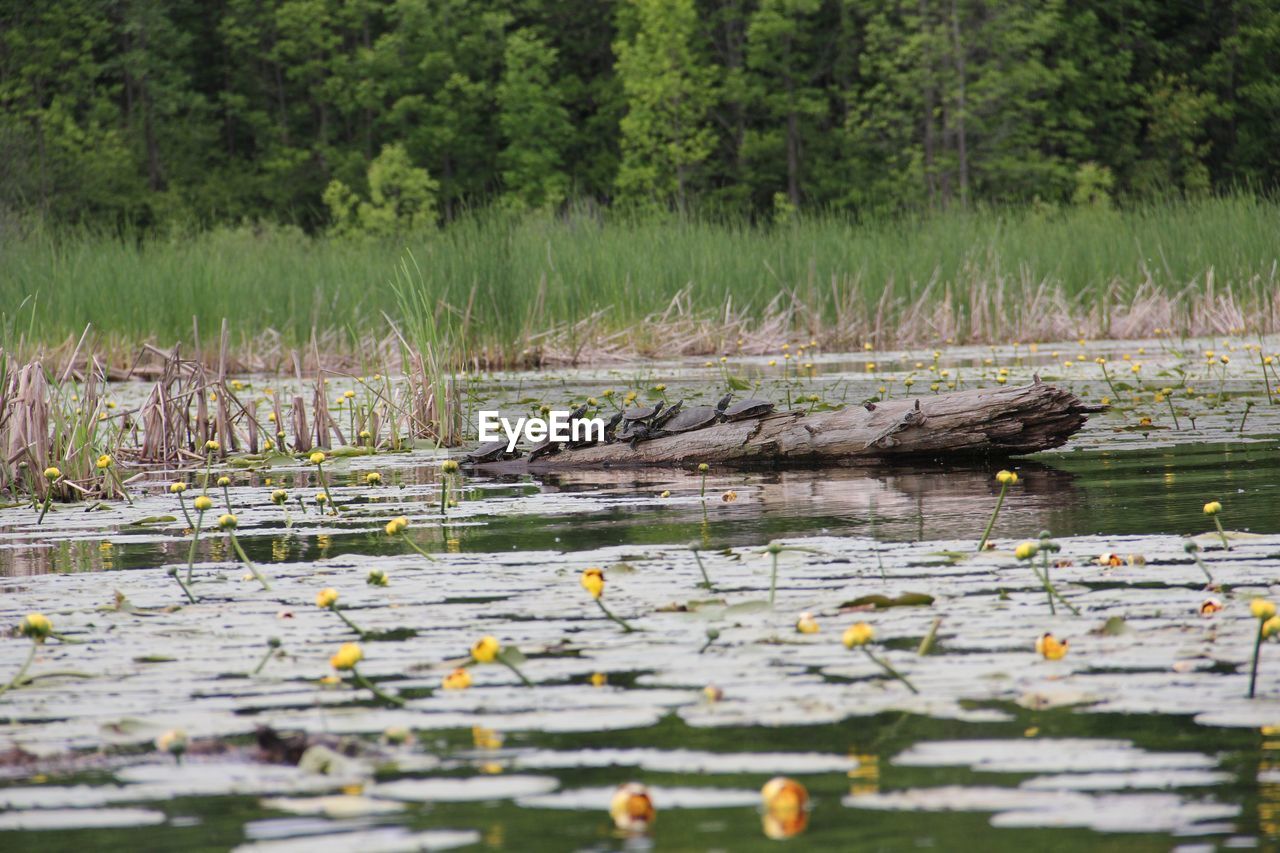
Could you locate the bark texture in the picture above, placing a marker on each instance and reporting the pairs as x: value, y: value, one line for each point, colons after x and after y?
x: 1002, y: 421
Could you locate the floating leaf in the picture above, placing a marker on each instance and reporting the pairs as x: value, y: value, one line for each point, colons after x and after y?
x: 876, y: 601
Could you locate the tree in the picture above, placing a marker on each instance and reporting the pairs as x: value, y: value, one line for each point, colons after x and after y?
x: 402, y: 198
x: 669, y: 90
x: 534, y: 123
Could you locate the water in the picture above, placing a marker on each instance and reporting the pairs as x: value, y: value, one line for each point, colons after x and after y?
x: 1140, y: 738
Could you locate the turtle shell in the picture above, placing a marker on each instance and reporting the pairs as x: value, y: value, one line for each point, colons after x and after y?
x: 691, y: 419
x: 490, y: 452
x: 543, y: 448
x: 639, y: 413
x: 747, y: 409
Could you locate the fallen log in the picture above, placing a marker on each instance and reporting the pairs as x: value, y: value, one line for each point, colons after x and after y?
x: 997, y: 421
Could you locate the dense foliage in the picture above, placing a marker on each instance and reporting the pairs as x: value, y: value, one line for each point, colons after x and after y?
x: 378, y: 114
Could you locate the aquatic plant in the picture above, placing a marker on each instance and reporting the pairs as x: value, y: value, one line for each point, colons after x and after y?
x: 228, y: 523
x: 859, y: 636
x: 1050, y: 647
x: 346, y: 659
x: 327, y: 599
x: 173, y: 572
x: 487, y: 649
x: 399, y: 527
x: 1192, y: 547
x: 784, y: 808
x: 202, y: 503
x: 631, y: 808
x: 1264, y: 611
x: 1213, y: 509
x: 695, y: 547
x: 1005, y: 479
x: 273, y: 646
x: 174, y: 742
x: 317, y: 459
x: 592, y: 581
x: 37, y: 628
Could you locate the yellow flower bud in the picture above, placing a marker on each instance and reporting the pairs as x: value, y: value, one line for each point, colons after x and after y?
x: 1006, y: 478
x: 203, y: 503
x: 1213, y: 508
x: 486, y: 649
x: 52, y: 473
x: 1026, y: 550
x: 224, y: 481
x: 631, y: 808
x: 227, y: 521
x: 1270, y: 627
x: 35, y: 626
x: 347, y: 657
x: 806, y: 624
x: 459, y: 679
x: 1050, y: 647
x: 317, y: 457
x: 373, y: 478
x: 449, y: 466
x: 858, y: 634
x: 593, y: 582
x: 177, y: 488
x: 212, y: 446
x: 279, y: 496
x: 104, y: 462
x: 326, y: 598
x: 1262, y: 608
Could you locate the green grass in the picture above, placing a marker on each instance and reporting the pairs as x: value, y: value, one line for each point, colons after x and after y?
x: 504, y: 280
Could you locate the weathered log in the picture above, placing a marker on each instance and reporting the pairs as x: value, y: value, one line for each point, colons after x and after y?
x: 1001, y: 421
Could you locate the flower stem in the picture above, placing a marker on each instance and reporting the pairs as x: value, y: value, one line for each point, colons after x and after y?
x: 324, y: 487
x: 986, y: 534
x: 235, y: 543
x: 195, y: 537
x: 174, y: 572
x: 1257, y: 651
x: 226, y: 496
x: 353, y: 626
x: 889, y: 670
x: 626, y: 629
x: 1199, y: 562
x: 1053, y: 593
x: 773, y: 579
x: 1222, y: 534
x: 182, y: 503
x: 511, y: 666
x: 31, y: 655
x: 373, y: 688
x: 414, y: 545
x: 1169, y: 400
x: 706, y: 579
x: 262, y: 663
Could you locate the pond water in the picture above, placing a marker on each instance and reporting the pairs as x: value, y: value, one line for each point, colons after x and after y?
x: 1139, y: 738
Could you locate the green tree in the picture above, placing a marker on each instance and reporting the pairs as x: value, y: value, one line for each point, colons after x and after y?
x: 534, y: 124
x: 402, y: 198
x: 669, y: 89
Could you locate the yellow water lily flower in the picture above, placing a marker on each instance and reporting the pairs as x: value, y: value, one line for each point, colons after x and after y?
x: 1262, y: 608
x: 858, y: 634
x: 631, y: 808
x: 35, y: 626
x: 347, y: 656
x: 593, y: 581
x: 326, y: 598
x: 459, y: 679
x: 806, y: 624
x: 1050, y: 647
x: 486, y: 649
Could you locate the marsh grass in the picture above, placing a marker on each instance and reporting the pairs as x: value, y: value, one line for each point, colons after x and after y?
x: 497, y: 289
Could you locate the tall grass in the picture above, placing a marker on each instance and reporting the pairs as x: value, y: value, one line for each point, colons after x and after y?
x: 504, y: 281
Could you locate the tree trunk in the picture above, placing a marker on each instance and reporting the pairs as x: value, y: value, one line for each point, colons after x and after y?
x: 996, y: 421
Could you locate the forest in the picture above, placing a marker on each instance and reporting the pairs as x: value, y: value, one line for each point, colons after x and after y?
x: 386, y: 115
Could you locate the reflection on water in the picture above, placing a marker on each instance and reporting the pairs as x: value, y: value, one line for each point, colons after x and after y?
x: 1116, y: 493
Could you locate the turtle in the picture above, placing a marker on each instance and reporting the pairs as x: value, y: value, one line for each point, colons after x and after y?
x: 653, y: 426
x: 611, y: 428
x: 547, y: 446
x: 695, y: 418
x: 636, y: 418
x: 746, y: 409
x: 492, y: 451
